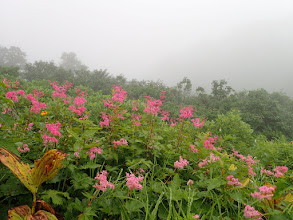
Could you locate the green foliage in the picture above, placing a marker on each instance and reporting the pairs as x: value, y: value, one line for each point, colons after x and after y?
x: 167, y: 191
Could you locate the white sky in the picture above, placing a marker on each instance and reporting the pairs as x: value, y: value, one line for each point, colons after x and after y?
x: 249, y: 43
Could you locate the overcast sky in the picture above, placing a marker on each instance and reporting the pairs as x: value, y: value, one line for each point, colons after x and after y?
x: 249, y: 43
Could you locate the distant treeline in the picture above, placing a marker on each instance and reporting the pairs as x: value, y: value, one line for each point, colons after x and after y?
x: 269, y: 114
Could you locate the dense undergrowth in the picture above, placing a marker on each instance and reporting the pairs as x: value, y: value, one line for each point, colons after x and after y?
x: 127, y: 159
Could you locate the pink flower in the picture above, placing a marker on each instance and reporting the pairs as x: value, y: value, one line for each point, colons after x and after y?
x: 48, y: 140
x: 12, y: 96
x: 193, y: 149
x: 106, y: 120
x: 133, y: 182
x: 30, y: 126
x: 54, y: 128
x: 6, y: 82
x: 165, y: 116
x: 233, y: 181
x: 196, y: 122
x: 119, y: 94
x: 181, y: 163
x: 153, y: 106
x: 265, y: 192
x: 21, y: 92
x: 24, y: 148
x: 103, y: 183
x: 186, y: 112
x: 281, y: 169
x: 38, y: 93
x: 196, y: 217
x: 93, y: 151
x: 79, y: 101
x: 250, y: 212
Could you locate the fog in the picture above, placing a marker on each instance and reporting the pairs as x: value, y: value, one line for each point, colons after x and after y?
x: 247, y: 43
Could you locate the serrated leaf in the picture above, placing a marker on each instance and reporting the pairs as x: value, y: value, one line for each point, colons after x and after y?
x: 19, y: 213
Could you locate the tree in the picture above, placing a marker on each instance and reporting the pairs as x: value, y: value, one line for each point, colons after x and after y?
x: 46, y: 70
x: 12, y: 56
x: 69, y: 61
x: 220, y: 90
x: 184, y: 87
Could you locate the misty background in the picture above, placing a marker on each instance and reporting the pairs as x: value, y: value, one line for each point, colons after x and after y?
x: 247, y: 43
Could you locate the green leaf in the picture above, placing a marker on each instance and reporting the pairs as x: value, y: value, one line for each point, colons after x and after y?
x: 133, y: 205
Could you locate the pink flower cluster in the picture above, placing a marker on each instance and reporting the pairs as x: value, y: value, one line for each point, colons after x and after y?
x: 250, y: 212
x: 196, y: 217
x: 6, y: 82
x: 121, y: 142
x: 181, y: 163
x: 78, y: 107
x: 193, y: 149
x: 38, y: 93
x: 103, y: 183
x: 162, y: 95
x: 30, y: 126
x: 36, y: 108
x: 6, y: 110
x: 93, y: 151
x: 153, y: 106
x: 24, y: 148
x: 196, y: 122
x: 54, y: 130
x: 209, y: 142
x: 135, y: 120
x: 106, y: 119
x: 165, y: 115
x: 133, y: 182
x: 279, y: 171
x: 265, y: 192
x: 233, y: 181
x: 118, y: 94
x: 211, y: 159
x: 249, y: 161
x: 186, y: 112
x: 60, y: 90
x: 12, y: 95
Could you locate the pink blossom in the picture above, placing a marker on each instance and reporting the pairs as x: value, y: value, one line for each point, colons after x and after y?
x: 38, y: 93
x: 76, y: 154
x: 6, y: 110
x: 281, y: 169
x: 181, y: 163
x: 233, y: 181
x: 196, y: 122
x: 79, y: 101
x: 6, y: 82
x: 250, y: 212
x: 103, y: 183
x: 24, y: 148
x: 162, y: 95
x: 193, y: 149
x: 48, y: 140
x: 196, y: 217
x: 12, y: 96
x: 106, y: 120
x: 30, y: 126
x: 54, y: 128
x: 21, y: 92
x: 153, y: 106
x: 267, y: 172
x: 93, y: 151
x: 119, y: 94
x: 186, y: 112
x: 133, y: 182
x: 265, y: 192
x: 165, y: 115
